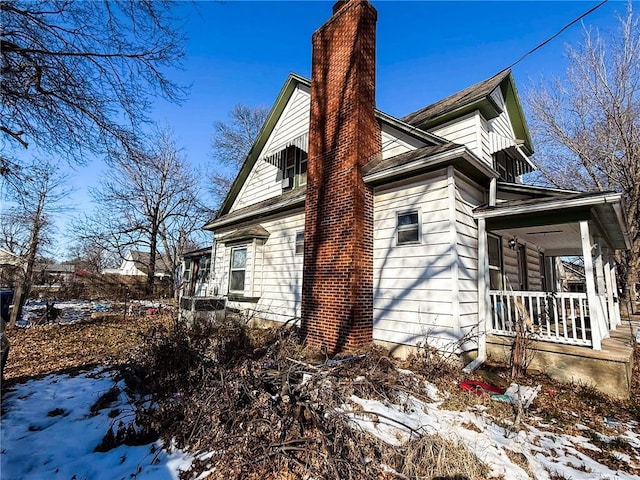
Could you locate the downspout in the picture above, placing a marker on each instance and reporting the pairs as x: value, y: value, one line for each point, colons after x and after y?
x: 483, y: 297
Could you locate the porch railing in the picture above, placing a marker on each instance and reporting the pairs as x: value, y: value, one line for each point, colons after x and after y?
x: 559, y: 317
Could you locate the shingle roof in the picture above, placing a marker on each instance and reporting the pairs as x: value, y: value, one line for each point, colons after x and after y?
x: 254, y: 231
x: 379, y: 165
x: 142, y: 260
x: 284, y: 201
x: 457, y: 100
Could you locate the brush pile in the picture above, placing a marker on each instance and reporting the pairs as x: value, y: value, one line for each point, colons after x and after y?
x: 262, y: 407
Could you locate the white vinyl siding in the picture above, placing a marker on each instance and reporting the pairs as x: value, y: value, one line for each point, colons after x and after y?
x: 464, y: 130
x: 282, y: 270
x: 412, y: 283
x: 293, y: 122
x: 468, y: 196
x: 500, y: 130
x: 274, y: 271
x: 511, y: 267
x: 263, y: 181
x: 395, y: 142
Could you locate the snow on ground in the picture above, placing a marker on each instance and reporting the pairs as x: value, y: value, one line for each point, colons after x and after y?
x: 545, y: 451
x: 47, y: 430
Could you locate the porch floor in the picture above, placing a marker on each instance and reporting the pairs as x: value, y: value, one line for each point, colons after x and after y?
x: 609, y: 369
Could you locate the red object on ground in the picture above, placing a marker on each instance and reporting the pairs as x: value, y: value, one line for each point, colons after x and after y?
x: 481, y: 388
x: 152, y: 311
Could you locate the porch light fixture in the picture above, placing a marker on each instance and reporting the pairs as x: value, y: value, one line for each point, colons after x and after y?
x: 513, y: 243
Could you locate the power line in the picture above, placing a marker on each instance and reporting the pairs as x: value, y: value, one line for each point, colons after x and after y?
x: 593, y: 9
x: 557, y: 34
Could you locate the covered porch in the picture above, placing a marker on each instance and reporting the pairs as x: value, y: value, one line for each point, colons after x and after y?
x: 521, y: 244
x: 588, y: 226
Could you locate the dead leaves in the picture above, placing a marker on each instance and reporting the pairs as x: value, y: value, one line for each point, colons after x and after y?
x: 108, y: 339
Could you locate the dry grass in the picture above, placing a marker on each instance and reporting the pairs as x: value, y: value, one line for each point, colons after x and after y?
x: 244, y: 395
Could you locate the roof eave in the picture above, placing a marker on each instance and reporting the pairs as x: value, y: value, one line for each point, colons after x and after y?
x: 411, y: 130
x: 498, y: 211
x: 486, y: 106
x: 430, y: 162
x: 255, y: 213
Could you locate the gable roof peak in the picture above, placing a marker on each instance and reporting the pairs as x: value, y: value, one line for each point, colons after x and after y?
x: 458, y: 100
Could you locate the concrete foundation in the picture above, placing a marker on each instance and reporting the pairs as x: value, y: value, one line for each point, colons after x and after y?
x: 608, y: 370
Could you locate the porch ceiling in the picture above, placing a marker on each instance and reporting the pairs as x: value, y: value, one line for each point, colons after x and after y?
x: 553, y: 223
x: 555, y: 240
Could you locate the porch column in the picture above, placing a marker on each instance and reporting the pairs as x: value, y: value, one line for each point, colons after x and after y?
x: 601, y: 290
x: 614, y: 290
x: 484, y: 301
x: 592, y: 297
x: 611, y: 306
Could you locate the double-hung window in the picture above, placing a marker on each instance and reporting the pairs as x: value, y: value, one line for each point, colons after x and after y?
x: 294, y: 167
x: 238, y: 269
x: 408, y: 227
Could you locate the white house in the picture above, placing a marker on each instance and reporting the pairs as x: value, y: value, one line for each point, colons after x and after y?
x: 136, y: 263
x: 404, y: 230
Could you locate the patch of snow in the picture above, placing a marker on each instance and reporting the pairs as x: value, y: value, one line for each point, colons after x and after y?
x: 49, y: 431
x: 545, y: 451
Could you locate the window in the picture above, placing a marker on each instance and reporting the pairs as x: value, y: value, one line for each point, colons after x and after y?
x: 299, y: 243
x: 294, y: 164
x: 494, y: 244
x: 408, y: 228
x: 238, y: 269
x: 187, y: 270
x: 204, y: 268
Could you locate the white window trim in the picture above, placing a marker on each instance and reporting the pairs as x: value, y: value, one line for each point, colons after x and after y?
x: 405, y: 227
x: 231, y: 269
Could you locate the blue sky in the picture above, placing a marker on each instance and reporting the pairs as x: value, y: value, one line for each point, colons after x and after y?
x: 242, y: 52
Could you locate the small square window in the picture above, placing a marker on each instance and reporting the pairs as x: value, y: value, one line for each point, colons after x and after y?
x: 408, y: 228
x: 299, y: 243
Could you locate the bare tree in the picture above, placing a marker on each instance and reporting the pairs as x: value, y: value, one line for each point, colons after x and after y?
x: 32, y: 203
x: 231, y: 142
x: 149, y: 200
x: 89, y: 255
x: 78, y: 76
x: 587, y: 124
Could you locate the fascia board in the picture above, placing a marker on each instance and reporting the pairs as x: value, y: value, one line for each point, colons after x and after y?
x: 410, y: 130
x: 556, y: 204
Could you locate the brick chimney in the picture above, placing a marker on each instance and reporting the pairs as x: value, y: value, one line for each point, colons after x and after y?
x: 337, y: 287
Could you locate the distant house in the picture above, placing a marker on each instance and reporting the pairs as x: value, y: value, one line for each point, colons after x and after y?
x: 137, y: 263
x: 572, y: 277
x: 367, y: 227
x: 54, y: 273
x: 11, y: 268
